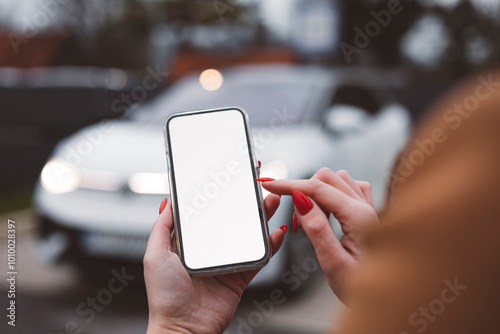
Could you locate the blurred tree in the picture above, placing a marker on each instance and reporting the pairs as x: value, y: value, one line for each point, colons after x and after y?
x: 134, y: 33
x: 463, y: 32
x: 431, y: 36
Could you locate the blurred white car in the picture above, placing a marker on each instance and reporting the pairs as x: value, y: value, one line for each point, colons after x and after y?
x: 99, y: 193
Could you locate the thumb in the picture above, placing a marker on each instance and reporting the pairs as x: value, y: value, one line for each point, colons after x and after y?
x: 159, y: 240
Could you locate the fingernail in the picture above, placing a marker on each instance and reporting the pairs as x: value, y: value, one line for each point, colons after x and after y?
x: 163, y: 204
x: 264, y: 179
x: 295, y: 223
x: 284, y: 228
x: 260, y: 163
x: 302, y: 202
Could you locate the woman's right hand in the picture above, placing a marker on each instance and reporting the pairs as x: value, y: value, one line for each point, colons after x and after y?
x: 349, y: 201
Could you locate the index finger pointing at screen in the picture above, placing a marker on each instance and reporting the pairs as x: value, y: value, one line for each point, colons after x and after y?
x: 324, y: 194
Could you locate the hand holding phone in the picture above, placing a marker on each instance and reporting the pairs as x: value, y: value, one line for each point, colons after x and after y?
x: 179, y: 302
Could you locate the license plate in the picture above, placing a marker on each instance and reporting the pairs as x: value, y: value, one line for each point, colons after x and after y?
x: 116, y: 246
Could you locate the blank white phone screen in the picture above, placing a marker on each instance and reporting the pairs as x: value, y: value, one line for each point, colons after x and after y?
x: 217, y: 201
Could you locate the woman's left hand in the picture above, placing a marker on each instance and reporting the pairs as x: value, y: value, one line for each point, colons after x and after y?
x: 179, y: 303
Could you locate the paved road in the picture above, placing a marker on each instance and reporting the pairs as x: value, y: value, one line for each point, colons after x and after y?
x: 48, y: 298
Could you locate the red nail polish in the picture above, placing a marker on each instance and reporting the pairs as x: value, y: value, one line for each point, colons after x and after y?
x: 163, y: 204
x: 260, y: 163
x: 295, y: 223
x: 264, y: 179
x: 302, y: 202
x: 284, y: 228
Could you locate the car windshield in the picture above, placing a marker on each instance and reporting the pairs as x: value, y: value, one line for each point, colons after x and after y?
x: 261, y: 102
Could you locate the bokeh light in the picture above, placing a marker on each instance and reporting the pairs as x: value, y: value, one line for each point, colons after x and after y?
x: 211, y: 79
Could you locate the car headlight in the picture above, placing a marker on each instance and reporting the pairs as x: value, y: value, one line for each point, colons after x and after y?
x: 149, y: 183
x: 275, y: 169
x: 59, y: 177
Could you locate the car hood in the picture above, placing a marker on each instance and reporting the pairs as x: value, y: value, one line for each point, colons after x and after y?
x: 121, y: 147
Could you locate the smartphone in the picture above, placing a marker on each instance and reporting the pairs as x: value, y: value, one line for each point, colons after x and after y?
x: 218, y: 209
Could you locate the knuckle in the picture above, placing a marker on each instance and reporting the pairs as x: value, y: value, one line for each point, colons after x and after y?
x: 322, y: 172
x: 353, y: 209
x: 365, y: 185
x: 342, y: 173
x: 363, y: 210
x: 367, y: 213
x: 316, y: 226
x: 316, y: 185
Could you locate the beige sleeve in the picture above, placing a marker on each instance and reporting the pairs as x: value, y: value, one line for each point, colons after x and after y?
x: 434, y: 264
